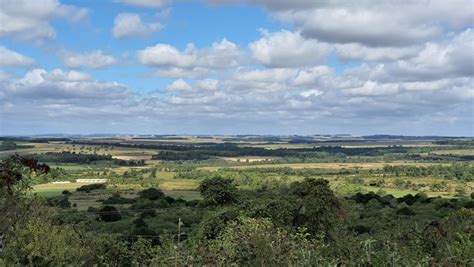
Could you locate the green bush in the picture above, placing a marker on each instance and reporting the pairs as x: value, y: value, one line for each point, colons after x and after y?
x: 151, y: 194
x: 89, y: 187
x: 117, y: 199
x: 257, y: 242
x: 109, y: 214
x: 218, y: 191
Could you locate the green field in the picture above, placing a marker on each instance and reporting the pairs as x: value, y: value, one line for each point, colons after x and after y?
x: 166, y: 171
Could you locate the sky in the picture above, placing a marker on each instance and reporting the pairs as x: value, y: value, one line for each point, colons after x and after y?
x: 237, y: 67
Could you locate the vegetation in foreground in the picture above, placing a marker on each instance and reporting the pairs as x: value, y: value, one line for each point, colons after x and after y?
x: 300, y: 223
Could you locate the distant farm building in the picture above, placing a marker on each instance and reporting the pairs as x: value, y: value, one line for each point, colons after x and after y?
x: 61, y: 182
x: 97, y: 181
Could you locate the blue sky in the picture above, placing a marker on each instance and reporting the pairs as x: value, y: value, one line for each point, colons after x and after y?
x: 236, y: 67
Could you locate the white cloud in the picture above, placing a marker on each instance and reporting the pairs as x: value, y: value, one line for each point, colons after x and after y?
x: 370, y: 22
x: 30, y: 20
x: 450, y: 58
x: 175, y: 72
x: 175, y: 63
x: 354, y: 51
x: 4, y: 76
x: 146, y: 3
x: 287, y: 49
x: 94, y: 59
x: 311, y: 75
x: 207, y: 84
x: 198, y: 86
x: 39, y: 84
x: 167, y: 55
x: 357, y: 24
x: 281, y: 75
x: 371, y: 88
x: 178, y: 85
x: 9, y: 58
x: 311, y: 93
x: 131, y: 25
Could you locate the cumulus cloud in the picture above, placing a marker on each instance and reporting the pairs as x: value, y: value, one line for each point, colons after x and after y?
x: 280, y: 75
x: 309, y: 76
x: 30, y: 20
x: 176, y: 72
x: 450, y: 58
x: 178, y: 85
x: 355, y: 51
x: 311, y: 93
x: 94, y: 59
x: 192, y: 60
x: 131, y: 25
x: 207, y: 84
x: 9, y: 58
x: 65, y: 85
x: 361, y: 25
x: 145, y: 3
x: 370, y: 22
x: 287, y: 49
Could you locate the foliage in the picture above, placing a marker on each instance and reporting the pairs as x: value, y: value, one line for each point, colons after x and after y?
x: 151, y: 194
x: 89, y: 187
x: 117, y: 199
x: 257, y: 242
x: 70, y: 157
x: 11, y: 145
x: 109, y: 214
x: 40, y: 243
x: 218, y: 191
x: 318, y: 207
x: 15, y: 182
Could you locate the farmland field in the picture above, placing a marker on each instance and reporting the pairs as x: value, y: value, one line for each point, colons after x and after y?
x: 169, y: 175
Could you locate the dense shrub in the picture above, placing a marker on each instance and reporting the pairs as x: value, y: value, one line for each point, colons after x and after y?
x: 218, y: 191
x: 89, y: 187
x: 151, y: 194
x: 109, y: 214
x: 117, y: 199
x: 59, y: 201
x: 406, y: 211
x: 257, y: 242
x: 318, y: 207
x: 215, y: 222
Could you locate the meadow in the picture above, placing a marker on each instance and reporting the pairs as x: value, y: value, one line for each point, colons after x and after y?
x: 166, y: 174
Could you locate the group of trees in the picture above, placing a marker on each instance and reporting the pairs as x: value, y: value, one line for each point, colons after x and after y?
x: 11, y: 145
x: 457, y: 171
x: 70, y: 157
x: 173, y: 153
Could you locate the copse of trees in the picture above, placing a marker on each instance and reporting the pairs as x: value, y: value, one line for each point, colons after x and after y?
x: 89, y: 187
x: 70, y: 157
x: 458, y: 171
x: 173, y: 153
x: 130, y: 162
x: 83, y: 158
x: 11, y: 145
